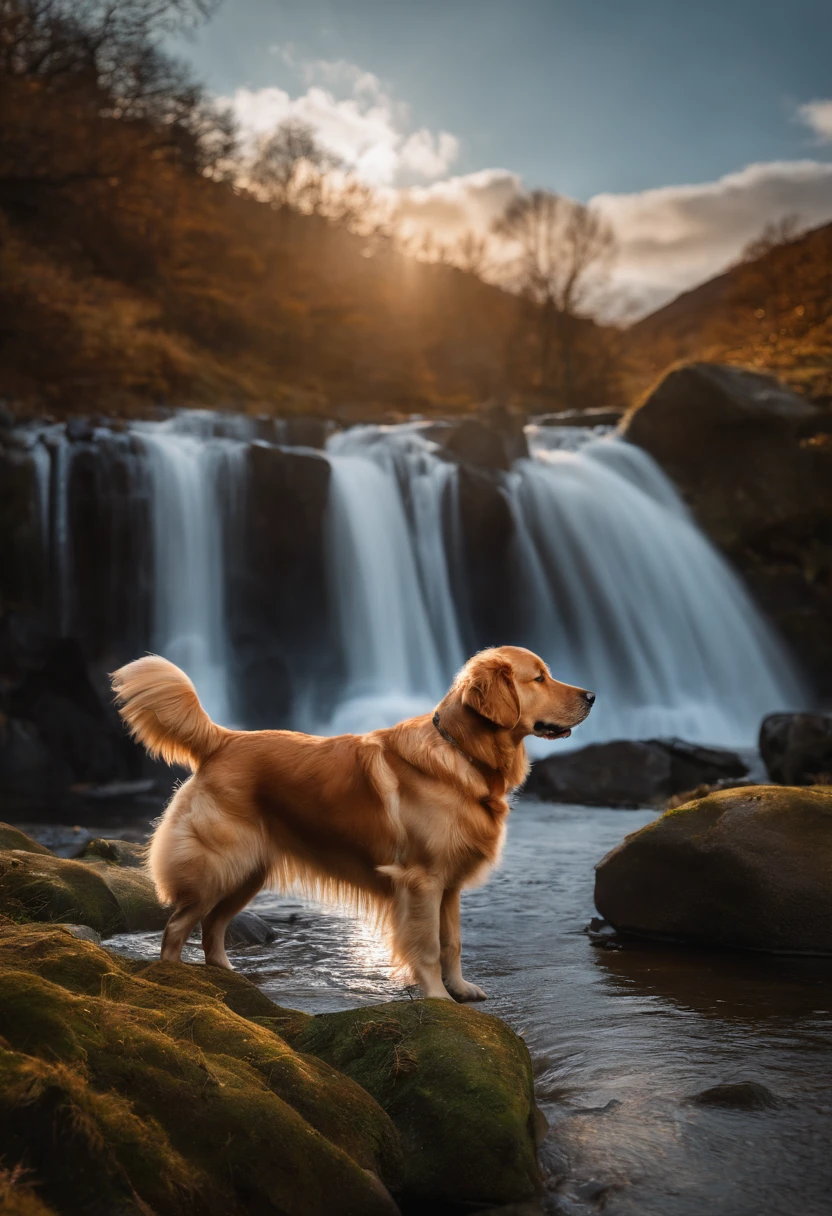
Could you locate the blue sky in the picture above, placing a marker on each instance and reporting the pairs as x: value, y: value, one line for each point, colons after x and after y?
x: 629, y: 100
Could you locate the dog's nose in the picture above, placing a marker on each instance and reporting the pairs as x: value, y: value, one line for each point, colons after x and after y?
x: 589, y: 697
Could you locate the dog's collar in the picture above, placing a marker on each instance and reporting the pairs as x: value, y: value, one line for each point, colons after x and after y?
x: 448, y: 737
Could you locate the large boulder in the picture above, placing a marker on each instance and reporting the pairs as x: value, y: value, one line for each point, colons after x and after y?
x: 134, y: 1089
x: 797, y: 748
x: 52, y: 889
x: 457, y: 1084
x: 743, y: 450
x: 630, y: 773
x: 747, y: 868
x: 107, y: 894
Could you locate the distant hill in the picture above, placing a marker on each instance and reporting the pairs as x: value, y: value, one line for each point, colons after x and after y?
x: 772, y: 311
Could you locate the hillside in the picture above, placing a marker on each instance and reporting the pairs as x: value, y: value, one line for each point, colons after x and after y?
x: 772, y: 311
x: 137, y: 268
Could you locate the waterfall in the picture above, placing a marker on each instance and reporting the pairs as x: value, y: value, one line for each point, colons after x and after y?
x: 389, y: 579
x: 600, y: 569
x: 193, y: 475
x: 633, y: 601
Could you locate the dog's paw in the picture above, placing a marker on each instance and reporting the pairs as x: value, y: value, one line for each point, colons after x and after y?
x: 467, y: 992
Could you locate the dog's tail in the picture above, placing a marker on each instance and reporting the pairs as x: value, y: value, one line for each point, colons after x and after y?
x: 160, y: 706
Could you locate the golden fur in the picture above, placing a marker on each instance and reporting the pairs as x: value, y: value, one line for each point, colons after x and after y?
x: 395, y: 822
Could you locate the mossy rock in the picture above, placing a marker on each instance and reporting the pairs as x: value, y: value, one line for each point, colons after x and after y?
x: 128, y: 1089
x: 457, y: 1084
x: 119, y: 852
x: 13, y: 838
x: 40, y: 887
x: 135, y: 895
x: 106, y: 889
x: 747, y: 868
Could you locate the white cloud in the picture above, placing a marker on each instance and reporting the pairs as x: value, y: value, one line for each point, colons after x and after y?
x: 817, y: 116
x: 670, y: 238
x: 427, y: 154
x: 450, y: 208
x: 352, y: 115
x: 675, y: 237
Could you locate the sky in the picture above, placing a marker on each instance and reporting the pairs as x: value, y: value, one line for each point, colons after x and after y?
x: 690, y: 126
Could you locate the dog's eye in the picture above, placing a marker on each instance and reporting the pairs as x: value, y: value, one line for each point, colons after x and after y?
x: 539, y: 679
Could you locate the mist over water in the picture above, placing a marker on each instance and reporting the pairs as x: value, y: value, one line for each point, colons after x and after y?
x: 605, y: 575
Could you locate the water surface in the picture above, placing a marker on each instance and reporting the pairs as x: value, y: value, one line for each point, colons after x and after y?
x: 620, y: 1039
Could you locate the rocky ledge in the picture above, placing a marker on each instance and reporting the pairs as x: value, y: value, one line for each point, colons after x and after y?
x: 177, y: 1089
x: 632, y: 772
x: 745, y: 868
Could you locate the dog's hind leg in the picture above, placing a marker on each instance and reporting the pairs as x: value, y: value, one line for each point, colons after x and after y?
x: 179, y: 928
x: 215, y: 923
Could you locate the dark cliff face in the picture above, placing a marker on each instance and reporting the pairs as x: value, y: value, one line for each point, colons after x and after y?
x: 280, y: 622
x: 754, y: 461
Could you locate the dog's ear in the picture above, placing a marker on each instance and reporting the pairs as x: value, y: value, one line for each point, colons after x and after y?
x: 491, y: 691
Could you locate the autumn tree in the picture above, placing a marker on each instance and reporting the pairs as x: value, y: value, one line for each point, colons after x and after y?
x: 562, y: 250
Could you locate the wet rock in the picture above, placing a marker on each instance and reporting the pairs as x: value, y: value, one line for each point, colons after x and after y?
x: 746, y: 868
x: 630, y: 773
x: 249, y: 929
x: 457, y: 1084
x: 797, y: 748
x: 737, y: 1095
x: 305, y: 431
x: 280, y: 620
x: 492, y: 439
x: 101, y: 1059
x: 740, y: 448
x: 83, y: 932
x: 483, y: 577
x: 477, y: 444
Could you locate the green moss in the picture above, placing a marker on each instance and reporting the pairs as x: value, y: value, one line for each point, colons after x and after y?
x: 109, y: 896
x: 41, y: 887
x: 166, y: 1099
x: 13, y: 838
x: 456, y: 1083
x: 135, y: 895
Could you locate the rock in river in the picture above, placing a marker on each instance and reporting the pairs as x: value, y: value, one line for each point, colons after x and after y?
x: 458, y: 1085
x: 797, y: 748
x: 747, y: 868
x: 628, y: 773
x: 134, y: 1089
x: 184, y: 1091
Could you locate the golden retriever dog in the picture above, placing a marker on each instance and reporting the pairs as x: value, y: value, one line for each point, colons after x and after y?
x: 395, y: 822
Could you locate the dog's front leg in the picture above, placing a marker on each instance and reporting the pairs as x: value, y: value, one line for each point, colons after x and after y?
x: 416, y: 927
x: 451, y: 950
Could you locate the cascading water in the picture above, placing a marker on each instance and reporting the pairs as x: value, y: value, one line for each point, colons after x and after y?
x: 606, y: 576
x: 193, y: 475
x: 389, y: 578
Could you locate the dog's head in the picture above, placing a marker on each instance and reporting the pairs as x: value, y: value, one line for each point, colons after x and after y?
x: 512, y: 688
